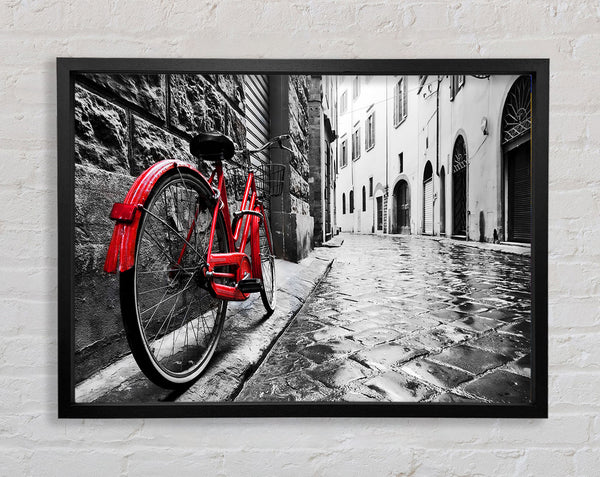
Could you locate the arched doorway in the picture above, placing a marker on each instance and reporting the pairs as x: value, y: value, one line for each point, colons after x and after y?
x: 442, y: 200
x: 428, y: 199
x: 459, y: 188
x: 516, y: 142
x: 402, y: 205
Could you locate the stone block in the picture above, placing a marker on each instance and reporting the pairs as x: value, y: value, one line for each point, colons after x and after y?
x: 145, y: 91
x: 470, y: 359
x: 399, y: 387
x: 95, y: 192
x: 298, y: 185
x: 298, y: 206
x: 197, y: 105
x: 232, y: 87
x: 302, y: 232
x: 101, y: 135
x: 152, y: 144
x: 293, y: 235
x: 501, y: 386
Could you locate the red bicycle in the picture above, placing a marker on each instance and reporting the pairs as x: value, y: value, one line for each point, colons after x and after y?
x: 182, y: 257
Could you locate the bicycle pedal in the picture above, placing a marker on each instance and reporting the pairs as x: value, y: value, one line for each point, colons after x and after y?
x: 249, y: 285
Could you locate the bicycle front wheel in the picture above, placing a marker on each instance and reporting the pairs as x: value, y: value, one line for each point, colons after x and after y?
x: 267, y: 265
x: 172, y: 322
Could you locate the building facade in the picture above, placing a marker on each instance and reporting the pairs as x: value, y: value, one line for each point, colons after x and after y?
x: 435, y: 155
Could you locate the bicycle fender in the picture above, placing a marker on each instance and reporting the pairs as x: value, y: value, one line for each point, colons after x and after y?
x: 121, y: 250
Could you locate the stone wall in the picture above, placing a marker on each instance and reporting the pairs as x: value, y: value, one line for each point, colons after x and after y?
x: 124, y: 124
x: 291, y: 214
x: 315, y: 141
x: 298, y: 122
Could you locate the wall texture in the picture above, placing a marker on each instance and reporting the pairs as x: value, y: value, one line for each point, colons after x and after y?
x: 34, y: 442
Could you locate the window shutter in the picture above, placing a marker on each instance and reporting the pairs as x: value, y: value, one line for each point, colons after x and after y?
x: 404, y: 94
x: 373, y: 129
x: 396, y: 103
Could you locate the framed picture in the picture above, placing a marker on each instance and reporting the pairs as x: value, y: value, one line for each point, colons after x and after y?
x: 302, y: 237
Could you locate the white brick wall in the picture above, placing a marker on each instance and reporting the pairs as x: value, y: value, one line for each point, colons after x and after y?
x: 33, y: 33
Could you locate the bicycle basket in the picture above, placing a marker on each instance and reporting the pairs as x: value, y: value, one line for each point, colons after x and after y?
x: 269, y: 180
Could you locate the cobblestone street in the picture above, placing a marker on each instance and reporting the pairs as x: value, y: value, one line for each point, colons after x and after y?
x: 407, y: 318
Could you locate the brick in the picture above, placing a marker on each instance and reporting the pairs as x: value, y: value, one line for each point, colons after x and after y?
x: 575, y: 388
x: 544, y: 461
x: 573, y: 312
x: 89, y: 462
x: 562, y: 346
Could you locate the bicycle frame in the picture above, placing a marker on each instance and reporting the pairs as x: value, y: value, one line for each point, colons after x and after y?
x: 246, y: 228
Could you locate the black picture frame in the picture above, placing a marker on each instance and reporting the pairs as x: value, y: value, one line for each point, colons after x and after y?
x: 539, y: 71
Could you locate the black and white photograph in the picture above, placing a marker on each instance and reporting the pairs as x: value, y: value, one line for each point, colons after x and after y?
x: 301, y: 239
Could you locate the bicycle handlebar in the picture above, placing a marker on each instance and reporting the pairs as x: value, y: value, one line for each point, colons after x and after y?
x: 270, y: 143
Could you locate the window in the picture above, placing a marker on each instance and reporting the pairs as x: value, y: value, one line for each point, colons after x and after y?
x: 370, y: 186
x: 456, y: 84
x: 401, y: 161
x: 400, y: 106
x: 344, y: 102
x: 364, y: 199
x: 370, y: 132
x: 356, y: 87
x: 344, y: 153
x: 351, y: 201
x: 343, y: 203
x: 356, y: 144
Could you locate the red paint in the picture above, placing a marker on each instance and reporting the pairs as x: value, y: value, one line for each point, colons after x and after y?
x: 123, y: 212
x: 121, y: 251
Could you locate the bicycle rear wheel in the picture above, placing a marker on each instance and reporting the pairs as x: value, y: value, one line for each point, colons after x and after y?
x: 172, y: 322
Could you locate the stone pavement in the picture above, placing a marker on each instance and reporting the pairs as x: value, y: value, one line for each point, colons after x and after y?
x: 404, y: 319
x: 247, y: 336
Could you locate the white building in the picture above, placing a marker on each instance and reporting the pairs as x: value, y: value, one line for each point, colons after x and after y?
x: 438, y: 155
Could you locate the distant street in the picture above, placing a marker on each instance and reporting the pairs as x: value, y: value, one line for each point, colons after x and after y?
x: 407, y: 318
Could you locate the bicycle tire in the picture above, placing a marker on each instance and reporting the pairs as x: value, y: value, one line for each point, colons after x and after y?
x: 164, y: 268
x: 268, y: 290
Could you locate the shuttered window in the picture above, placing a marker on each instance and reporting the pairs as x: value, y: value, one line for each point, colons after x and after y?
x: 356, y: 144
x: 256, y: 92
x: 344, y: 153
x: 370, y: 132
x: 400, y: 104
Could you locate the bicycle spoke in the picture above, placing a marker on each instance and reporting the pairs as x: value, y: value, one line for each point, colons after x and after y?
x: 175, y: 231
x: 165, y: 300
x: 178, y: 321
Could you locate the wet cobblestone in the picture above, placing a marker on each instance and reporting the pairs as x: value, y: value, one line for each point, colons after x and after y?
x: 404, y: 319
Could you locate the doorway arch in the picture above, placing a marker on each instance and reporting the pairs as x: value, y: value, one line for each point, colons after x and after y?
x: 516, y: 142
x: 402, y: 207
x: 459, y: 188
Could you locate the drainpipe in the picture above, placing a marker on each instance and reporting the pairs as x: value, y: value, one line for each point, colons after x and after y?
x: 437, y: 129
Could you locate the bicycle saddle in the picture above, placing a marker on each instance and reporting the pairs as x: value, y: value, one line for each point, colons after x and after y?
x: 212, y: 146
